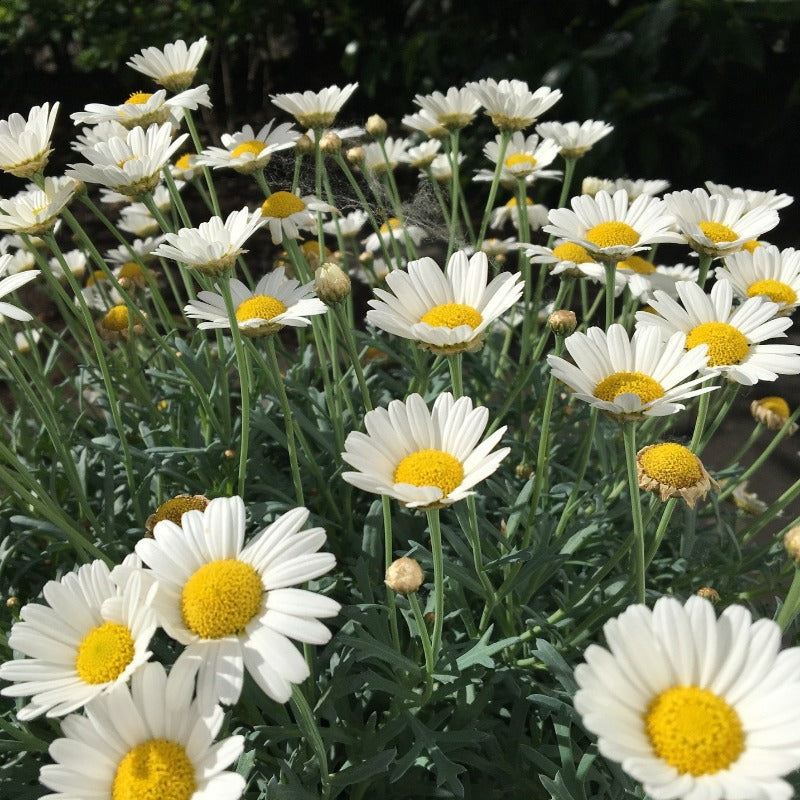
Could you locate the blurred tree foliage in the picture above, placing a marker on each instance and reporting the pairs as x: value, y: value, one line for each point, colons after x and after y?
x: 697, y: 88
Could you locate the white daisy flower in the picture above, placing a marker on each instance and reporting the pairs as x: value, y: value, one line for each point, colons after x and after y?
x: 348, y: 132
x: 511, y: 105
x: 502, y: 215
x: 349, y: 225
x: 715, y: 225
x: 213, y: 246
x: 247, y: 151
x: 22, y: 260
x: 130, y: 165
x: 142, y: 248
x: 734, y: 335
x: 694, y: 706
x: 446, y: 311
x: 229, y: 603
x: 631, y: 378
x: 753, y: 198
x: 276, y: 301
x: 143, y: 109
x: 564, y: 258
x: 99, y: 294
x: 453, y: 110
x: 150, y: 740
x: 498, y: 248
x: 286, y: 213
x: 574, y: 139
x: 174, y: 67
x: 611, y: 228
x: 12, y: 283
x: 35, y: 210
x: 441, y: 168
x: 314, y: 109
x: 423, y: 458
x: 138, y: 223
x: 25, y: 143
x: 640, y: 276
x: 90, y: 638
x: 372, y: 271
x: 379, y: 159
x: 425, y: 122
x: 639, y: 186
x: 421, y: 155
x: 185, y: 167
x: 89, y: 137
x: 76, y: 262
x: 766, y: 272
x: 525, y: 157
x: 393, y: 228
x: 161, y: 197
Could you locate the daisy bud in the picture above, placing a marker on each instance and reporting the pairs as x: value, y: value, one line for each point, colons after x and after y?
x: 772, y: 412
x: 12, y: 602
x: 355, y: 155
x: 709, y: 594
x: 331, y: 283
x: 592, y: 186
x: 562, y: 322
x: 229, y: 453
x: 791, y: 541
x: 330, y: 143
x: 376, y: 126
x: 404, y: 576
x: 304, y: 145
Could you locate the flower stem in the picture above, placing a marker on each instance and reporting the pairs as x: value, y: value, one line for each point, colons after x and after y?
x: 308, y: 725
x: 703, y: 265
x: 505, y: 137
x: 438, y: 580
x: 629, y: 433
x: 454, y: 363
x: 791, y: 605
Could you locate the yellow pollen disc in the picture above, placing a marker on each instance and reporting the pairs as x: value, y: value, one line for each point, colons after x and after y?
x: 282, y: 205
x: 520, y: 159
x: 568, y: 251
x: 637, y: 264
x: 138, y: 99
x: 609, y: 234
x: 184, y: 162
x: 777, y: 405
x: 512, y: 203
x: 726, y: 345
x: 718, y: 232
x: 694, y: 731
x: 157, y: 769
x: 751, y: 245
x: 261, y: 306
x: 221, y: 598
x: 645, y: 387
x: 130, y: 269
x: 312, y: 249
x: 104, y: 653
x: 97, y: 275
x: 116, y: 319
x: 777, y: 291
x: 391, y: 224
x: 176, y: 507
x: 253, y: 147
x: 430, y: 468
x: 671, y: 464
x: 451, y: 315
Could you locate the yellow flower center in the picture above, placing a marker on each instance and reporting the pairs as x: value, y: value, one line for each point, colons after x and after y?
x: 718, y: 232
x: 451, y: 315
x: 174, y: 508
x: 637, y: 264
x: 282, y: 205
x: 138, y: 99
x: 97, y: 275
x: 130, y: 270
x: 184, y: 162
x: 777, y: 405
x: 312, y: 249
x: 221, y: 598
x: 611, y: 234
x: 671, y: 464
x: 751, y: 245
x: 694, y: 731
x: 512, y: 203
x: 430, y: 468
x: 569, y: 251
x: 646, y: 388
x: 116, y: 319
x: 391, y: 224
x: 253, y: 147
x: 157, y: 769
x: 520, y: 160
x: 777, y: 291
x: 260, y: 306
x: 726, y: 345
x: 104, y: 653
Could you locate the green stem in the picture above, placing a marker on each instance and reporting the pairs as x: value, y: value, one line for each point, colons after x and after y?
x: 700, y: 422
x: 212, y: 192
x: 427, y: 649
x: 388, y: 557
x: 629, y: 433
x: 438, y: 580
x: 703, y: 265
x: 455, y: 227
x: 454, y: 363
x: 308, y: 725
x: 505, y: 138
x: 610, y: 288
x: 791, y: 605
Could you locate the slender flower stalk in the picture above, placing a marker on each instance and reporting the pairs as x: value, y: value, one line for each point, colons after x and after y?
x: 639, y: 566
x: 435, y: 529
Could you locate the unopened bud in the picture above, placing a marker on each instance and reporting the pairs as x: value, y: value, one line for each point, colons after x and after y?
x: 12, y: 602
x: 331, y: 283
x: 709, y: 594
x: 330, y: 143
x: 404, y: 575
x: 791, y: 541
x: 356, y: 155
x: 562, y: 322
x: 304, y: 145
x: 229, y: 453
x: 376, y: 126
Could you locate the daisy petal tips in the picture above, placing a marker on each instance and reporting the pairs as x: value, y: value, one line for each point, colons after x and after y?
x: 694, y: 706
x: 425, y: 458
